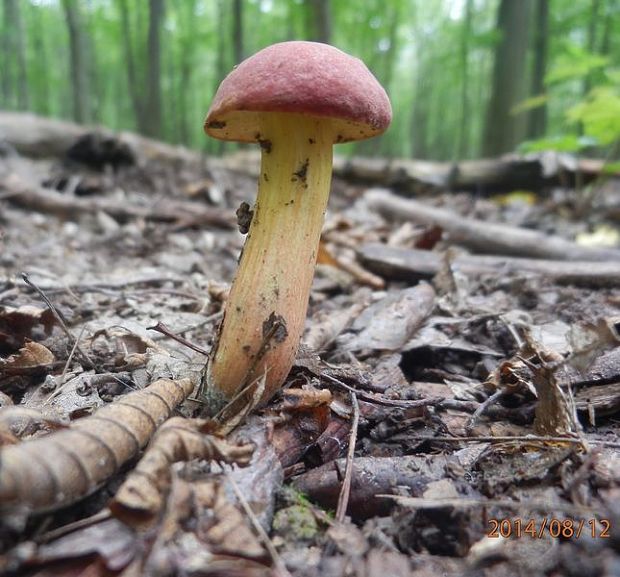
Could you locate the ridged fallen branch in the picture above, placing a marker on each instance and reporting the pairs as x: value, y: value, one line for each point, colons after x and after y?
x: 61, y: 468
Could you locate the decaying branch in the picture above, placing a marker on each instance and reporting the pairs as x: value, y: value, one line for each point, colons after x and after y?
x: 486, y: 237
x: 371, y: 476
x: 411, y: 265
x: 40, y: 137
x: 59, y: 469
x: 32, y: 196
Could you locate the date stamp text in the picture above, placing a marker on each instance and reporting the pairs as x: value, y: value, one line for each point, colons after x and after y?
x: 549, y: 526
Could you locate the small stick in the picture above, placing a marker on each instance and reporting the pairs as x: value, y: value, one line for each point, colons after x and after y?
x: 60, y: 319
x: 380, y: 399
x: 57, y: 392
x: 164, y: 330
x: 273, y: 553
x: 345, y: 492
x: 471, y: 423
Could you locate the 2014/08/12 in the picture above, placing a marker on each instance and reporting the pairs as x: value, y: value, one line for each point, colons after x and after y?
x: 556, y: 528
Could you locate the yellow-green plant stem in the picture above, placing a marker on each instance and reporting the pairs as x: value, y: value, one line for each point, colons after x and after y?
x: 266, y: 309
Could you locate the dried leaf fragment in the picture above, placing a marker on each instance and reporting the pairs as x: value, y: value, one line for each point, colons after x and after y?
x: 142, y: 495
x: 29, y: 356
x: 17, y: 324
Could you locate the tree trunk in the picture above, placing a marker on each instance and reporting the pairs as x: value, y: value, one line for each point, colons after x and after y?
x: 186, y: 65
x: 132, y: 77
x: 79, y: 66
x: 153, y: 125
x: 419, y: 118
x: 595, y: 11
x: 221, y: 66
x: 537, y: 124
x: 41, y: 97
x: 503, y: 129
x: 14, y: 78
x: 319, y: 20
x: 464, y: 120
x: 238, y: 30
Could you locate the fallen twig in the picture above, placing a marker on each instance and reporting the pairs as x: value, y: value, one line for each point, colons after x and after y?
x: 343, y: 498
x: 264, y: 537
x: 164, y: 330
x: 61, y: 322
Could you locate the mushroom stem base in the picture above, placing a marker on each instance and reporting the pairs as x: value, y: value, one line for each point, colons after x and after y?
x: 266, y: 310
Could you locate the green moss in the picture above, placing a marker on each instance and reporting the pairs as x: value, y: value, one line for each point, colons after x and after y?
x: 296, y: 522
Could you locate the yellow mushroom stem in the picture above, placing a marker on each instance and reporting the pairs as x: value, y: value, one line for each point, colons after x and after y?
x: 266, y: 309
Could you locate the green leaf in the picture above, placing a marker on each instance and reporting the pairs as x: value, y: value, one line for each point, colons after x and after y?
x: 612, y: 168
x: 530, y: 103
x: 574, y: 63
x: 565, y: 143
x: 599, y: 114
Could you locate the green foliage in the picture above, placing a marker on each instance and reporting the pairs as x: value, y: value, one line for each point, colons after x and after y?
x: 435, y: 65
x: 574, y: 63
x: 566, y: 143
x: 599, y: 114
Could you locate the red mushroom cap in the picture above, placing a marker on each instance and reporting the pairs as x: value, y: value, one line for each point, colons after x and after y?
x: 302, y: 78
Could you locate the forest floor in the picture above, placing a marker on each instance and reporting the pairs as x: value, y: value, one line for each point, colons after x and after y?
x: 481, y: 397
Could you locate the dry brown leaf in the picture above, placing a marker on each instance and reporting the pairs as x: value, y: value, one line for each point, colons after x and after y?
x: 202, y: 530
x: 30, y: 355
x: 16, y: 324
x: 324, y: 256
x: 65, y: 466
x: 143, y: 494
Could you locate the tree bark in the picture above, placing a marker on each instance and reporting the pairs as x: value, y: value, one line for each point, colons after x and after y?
x: 79, y: 65
x: 503, y: 129
x: 153, y: 125
x: 537, y: 124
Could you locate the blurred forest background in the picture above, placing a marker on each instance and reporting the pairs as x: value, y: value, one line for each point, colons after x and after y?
x: 467, y: 78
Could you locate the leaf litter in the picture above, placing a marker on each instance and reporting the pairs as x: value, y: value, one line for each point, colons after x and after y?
x: 481, y: 396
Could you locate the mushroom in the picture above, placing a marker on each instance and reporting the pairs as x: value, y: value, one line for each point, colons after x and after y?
x: 296, y: 99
